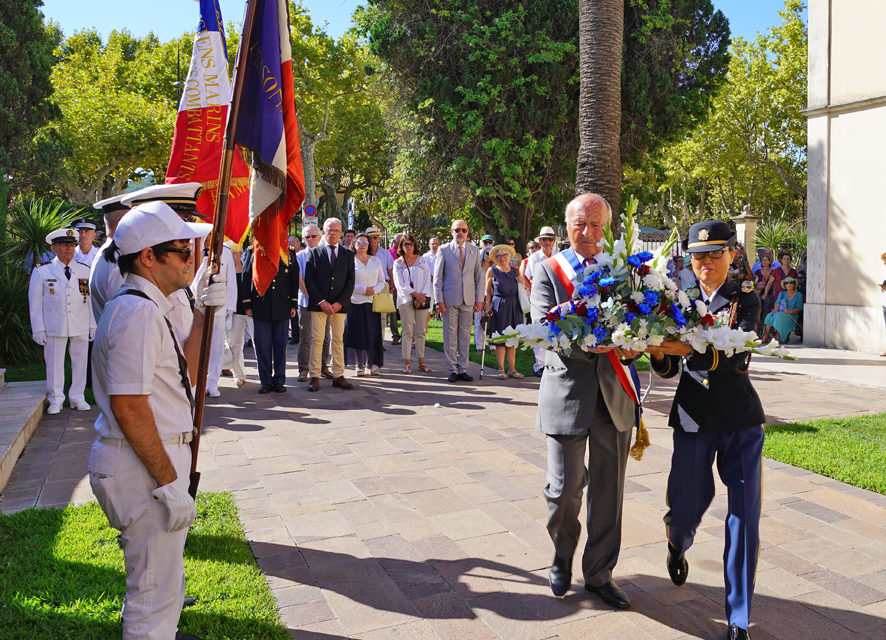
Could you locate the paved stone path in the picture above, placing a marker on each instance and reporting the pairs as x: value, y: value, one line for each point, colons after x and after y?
x: 411, y: 508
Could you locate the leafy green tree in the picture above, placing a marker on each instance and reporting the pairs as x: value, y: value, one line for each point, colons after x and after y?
x: 495, y: 87
x: 25, y: 61
x: 118, y: 104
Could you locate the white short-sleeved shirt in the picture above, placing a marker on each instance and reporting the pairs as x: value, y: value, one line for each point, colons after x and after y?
x: 104, y: 281
x: 535, y: 258
x: 431, y: 259
x: 420, y: 276
x: 134, y: 354
x: 370, y: 274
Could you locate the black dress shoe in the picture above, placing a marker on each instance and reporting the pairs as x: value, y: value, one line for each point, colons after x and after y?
x: 678, y: 567
x: 737, y: 633
x: 279, y: 388
x: 341, y: 383
x: 464, y: 376
x: 560, y: 576
x: 452, y: 377
x: 189, y: 601
x: 265, y: 388
x: 611, y: 594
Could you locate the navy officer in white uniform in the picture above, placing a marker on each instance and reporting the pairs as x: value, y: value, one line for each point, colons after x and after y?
x: 140, y: 461
x: 86, y: 251
x: 61, y: 318
x: 106, y: 278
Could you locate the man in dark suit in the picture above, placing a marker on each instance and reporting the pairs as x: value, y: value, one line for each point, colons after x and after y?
x: 716, y: 414
x: 271, y: 314
x: 582, y: 406
x: 329, y: 278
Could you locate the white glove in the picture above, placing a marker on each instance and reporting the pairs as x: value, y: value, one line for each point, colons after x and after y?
x: 208, y: 293
x: 179, y: 504
x: 39, y: 337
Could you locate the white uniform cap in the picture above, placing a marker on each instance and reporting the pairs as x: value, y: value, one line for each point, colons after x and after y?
x: 62, y: 236
x: 150, y: 224
x: 109, y: 205
x: 181, y: 197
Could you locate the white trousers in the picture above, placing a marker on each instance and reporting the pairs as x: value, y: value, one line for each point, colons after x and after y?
x: 414, y: 323
x: 216, y: 350
x: 153, y: 558
x: 54, y: 356
x: 539, y: 359
x: 236, y: 337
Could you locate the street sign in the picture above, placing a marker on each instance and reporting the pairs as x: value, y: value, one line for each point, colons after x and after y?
x: 310, y: 211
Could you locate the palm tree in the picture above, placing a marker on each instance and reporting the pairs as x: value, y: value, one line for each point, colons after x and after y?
x: 600, y: 29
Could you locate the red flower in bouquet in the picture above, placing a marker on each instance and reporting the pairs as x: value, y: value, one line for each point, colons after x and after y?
x: 707, y: 321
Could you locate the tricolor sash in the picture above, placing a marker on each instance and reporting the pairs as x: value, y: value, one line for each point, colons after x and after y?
x: 565, y: 265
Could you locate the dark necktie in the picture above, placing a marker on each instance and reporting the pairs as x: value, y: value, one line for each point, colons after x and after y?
x: 67, y: 272
x: 590, y: 261
x: 332, y: 259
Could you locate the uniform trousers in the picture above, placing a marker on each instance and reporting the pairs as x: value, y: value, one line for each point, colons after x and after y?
x: 304, y: 345
x: 153, y: 558
x: 604, y: 476
x: 334, y: 323
x: 216, y: 351
x: 457, y: 322
x: 414, y: 327
x: 539, y: 364
x: 270, y: 340
x: 236, y: 337
x: 691, y: 489
x: 54, y: 356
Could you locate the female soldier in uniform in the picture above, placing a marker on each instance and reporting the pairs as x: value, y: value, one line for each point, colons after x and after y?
x: 716, y: 414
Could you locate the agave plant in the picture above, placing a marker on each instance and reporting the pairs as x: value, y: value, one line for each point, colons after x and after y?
x: 774, y: 234
x: 16, y: 345
x: 29, y: 222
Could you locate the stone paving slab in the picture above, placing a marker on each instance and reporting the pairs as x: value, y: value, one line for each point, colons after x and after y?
x: 411, y: 508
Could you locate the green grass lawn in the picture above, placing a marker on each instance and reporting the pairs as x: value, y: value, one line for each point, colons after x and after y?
x: 37, y: 371
x: 525, y: 358
x: 851, y: 450
x: 62, y: 576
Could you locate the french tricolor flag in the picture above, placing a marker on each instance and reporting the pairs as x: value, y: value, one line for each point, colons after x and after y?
x: 267, y: 131
x: 200, y: 125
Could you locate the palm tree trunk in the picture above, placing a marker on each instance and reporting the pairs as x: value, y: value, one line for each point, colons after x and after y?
x: 600, y: 29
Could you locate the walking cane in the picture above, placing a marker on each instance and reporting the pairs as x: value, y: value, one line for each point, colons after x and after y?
x: 484, y: 325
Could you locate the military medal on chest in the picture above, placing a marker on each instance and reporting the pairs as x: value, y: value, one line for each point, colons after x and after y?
x: 84, y: 287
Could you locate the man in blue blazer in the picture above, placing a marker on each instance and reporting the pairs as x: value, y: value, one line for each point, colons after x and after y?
x: 329, y: 279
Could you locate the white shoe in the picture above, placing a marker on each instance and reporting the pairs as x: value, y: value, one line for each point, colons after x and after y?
x: 213, y: 393
x: 375, y: 371
x: 53, y: 409
x: 82, y: 405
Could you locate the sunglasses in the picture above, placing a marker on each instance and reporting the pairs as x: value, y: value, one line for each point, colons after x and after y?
x: 407, y: 244
x: 362, y: 243
x: 512, y: 243
x: 462, y: 230
x: 487, y: 242
x: 716, y: 254
x: 185, y: 252
x: 313, y: 235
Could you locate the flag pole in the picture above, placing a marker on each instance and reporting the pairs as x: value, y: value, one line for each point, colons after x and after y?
x: 218, y: 232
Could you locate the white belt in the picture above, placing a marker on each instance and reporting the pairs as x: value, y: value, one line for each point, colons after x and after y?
x: 183, y: 438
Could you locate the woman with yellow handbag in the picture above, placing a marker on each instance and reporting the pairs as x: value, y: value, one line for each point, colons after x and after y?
x: 363, y: 332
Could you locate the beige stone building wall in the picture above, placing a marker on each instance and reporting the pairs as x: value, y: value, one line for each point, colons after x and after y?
x: 847, y: 174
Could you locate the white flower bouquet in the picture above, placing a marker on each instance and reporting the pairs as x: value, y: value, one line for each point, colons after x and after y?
x: 628, y: 301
